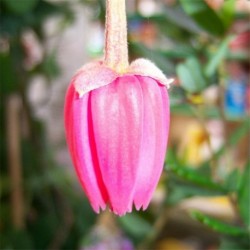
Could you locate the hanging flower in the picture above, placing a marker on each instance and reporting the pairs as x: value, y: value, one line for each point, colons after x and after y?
x: 117, y: 122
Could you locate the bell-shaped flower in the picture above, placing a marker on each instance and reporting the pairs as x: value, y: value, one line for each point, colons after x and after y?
x: 117, y: 123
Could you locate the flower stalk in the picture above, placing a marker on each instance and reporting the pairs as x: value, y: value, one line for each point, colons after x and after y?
x: 116, y: 47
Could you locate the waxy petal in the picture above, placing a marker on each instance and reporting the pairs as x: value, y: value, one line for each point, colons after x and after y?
x: 79, y: 136
x: 117, y: 123
x: 153, y: 148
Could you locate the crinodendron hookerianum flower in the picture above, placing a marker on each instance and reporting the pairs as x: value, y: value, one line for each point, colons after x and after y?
x: 117, y: 122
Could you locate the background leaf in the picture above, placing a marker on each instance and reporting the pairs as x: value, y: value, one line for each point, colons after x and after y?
x: 21, y: 6
x: 135, y: 225
x: 204, y: 16
x: 244, y: 195
x: 191, y: 76
x: 217, y: 57
x: 218, y: 225
x: 227, y: 12
x: 194, y: 177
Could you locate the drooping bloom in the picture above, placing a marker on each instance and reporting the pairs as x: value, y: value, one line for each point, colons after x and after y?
x: 117, y: 122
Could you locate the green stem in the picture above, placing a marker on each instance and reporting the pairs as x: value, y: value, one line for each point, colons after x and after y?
x: 116, y: 47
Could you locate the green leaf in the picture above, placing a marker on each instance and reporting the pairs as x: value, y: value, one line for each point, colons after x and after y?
x: 194, y: 177
x: 43, y: 229
x: 178, y: 17
x: 16, y: 239
x: 204, y: 16
x: 234, y: 243
x: 217, y: 225
x: 195, y: 66
x: 187, y: 81
x: 232, y: 180
x: 9, y: 80
x: 50, y: 66
x: 244, y: 195
x: 20, y: 6
x: 179, y: 52
x: 227, y: 12
x: 191, y: 76
x: 217, y: 57
x: 135, y: 225
x: 229, y: 245
x: 179, y: 190
x: 4, y: 185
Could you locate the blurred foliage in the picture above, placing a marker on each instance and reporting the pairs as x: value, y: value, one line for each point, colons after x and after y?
x: 56, y: 214
x: 198, y: 66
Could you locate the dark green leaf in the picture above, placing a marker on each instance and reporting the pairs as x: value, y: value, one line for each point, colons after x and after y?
x: 191, y: 76
x: 21, y: 6
x: 204, y: 16
x: 217, y: 57
x: 17, y: 239
x: 232, y: 180
x: 5, y: 185
x: 234, y: 243
x: 50, y: 66
x: 45, y: 225
x: 9, y: 80
x: 244, y: 195
x: 179, y: 190
x: 218, y: 226
x: 135, y: 225
x: 171, y: 157
x: 194, y: 177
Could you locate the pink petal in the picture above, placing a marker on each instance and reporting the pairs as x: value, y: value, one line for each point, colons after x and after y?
x: 79, y: 136
x: 155, y: 132
x: 117, y: 122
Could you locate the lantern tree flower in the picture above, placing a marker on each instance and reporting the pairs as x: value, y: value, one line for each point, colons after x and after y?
x: 117, y: 123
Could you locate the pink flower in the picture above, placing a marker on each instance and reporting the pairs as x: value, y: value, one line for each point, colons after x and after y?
x: 117, y: 128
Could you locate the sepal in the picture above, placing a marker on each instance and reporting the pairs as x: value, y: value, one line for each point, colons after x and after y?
x: 96, y: 74
x: 145, y: 67
x: 93, y: 76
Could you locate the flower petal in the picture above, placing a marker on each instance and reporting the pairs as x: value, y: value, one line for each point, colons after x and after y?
x: 155, y: 132
x: 82, y: 148
x: 117, y: 123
